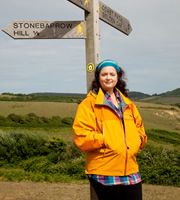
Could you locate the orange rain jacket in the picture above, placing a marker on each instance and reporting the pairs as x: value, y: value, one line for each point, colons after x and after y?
x: 110, y: 147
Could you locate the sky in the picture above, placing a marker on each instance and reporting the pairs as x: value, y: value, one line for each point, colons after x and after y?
x: 150, y: 55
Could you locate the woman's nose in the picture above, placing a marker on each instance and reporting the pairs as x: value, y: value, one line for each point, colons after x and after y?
x: 108, y: 76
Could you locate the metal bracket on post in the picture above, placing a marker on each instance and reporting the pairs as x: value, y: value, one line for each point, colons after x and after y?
x: 92, y: 41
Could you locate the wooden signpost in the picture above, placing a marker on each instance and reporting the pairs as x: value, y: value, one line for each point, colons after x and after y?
x: 46, y: 29
x: 88, y: 29
x: 84, y: 4
x: 114, y: 19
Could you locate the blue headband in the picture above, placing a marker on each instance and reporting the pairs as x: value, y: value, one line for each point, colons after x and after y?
x: 108, y: 63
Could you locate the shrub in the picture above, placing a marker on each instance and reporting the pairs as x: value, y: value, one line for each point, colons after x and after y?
x: 32, y: 120
x: 74, y: 152
x: 15, y: 146
x: 36, y: 164
x: 14, y: 118
x: 3, y: 119
x: 57, y: 145
x: 68, y: 120
x: 159, y: 166
x: 75, y: 168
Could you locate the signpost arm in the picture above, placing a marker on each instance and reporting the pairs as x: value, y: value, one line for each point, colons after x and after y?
x: 92, y: 40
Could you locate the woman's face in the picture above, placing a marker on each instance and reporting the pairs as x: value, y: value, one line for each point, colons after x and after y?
x: 108, y: 78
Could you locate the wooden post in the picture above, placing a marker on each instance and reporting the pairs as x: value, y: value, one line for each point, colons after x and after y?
x: 92, y: 41
x: 92, y: 52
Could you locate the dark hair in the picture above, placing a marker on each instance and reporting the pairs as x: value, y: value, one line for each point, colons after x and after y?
x: 121, y: 84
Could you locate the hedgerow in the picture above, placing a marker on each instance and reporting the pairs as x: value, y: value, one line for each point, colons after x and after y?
x: 35, y: 157
x: 32, y: 120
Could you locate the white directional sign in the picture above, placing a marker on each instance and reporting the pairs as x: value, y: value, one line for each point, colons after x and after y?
x: 46, y: 29
x: 84, y: 4
x: 114, y: 19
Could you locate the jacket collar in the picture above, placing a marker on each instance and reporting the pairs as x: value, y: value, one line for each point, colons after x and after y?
x: 101, y: 99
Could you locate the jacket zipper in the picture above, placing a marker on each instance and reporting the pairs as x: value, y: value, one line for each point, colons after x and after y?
x: 103, y: 136
x: 126, y: 147
x: 126, y: 157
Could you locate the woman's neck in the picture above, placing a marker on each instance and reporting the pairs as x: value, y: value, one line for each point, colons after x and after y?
x: 110, y: 92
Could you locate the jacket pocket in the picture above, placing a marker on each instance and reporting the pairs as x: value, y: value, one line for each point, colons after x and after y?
x: 132, y: 135
x: 113, y: 136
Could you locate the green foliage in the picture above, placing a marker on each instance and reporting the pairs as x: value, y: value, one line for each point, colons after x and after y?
x: 176, y: 104
x: 29, y: 156
x: 58, y: 147
x: 15, y: 146
x: 159, y: 108
x: 76, y: 168
x: 159, y: 166
x: 68, y: 120
x: 15, y: 118
x: 56, y: 144
x: 39, y: 158
x: 43, y: 97
x: 21, y: 175
x: 36, y: 164
x: 32, y: 120
x: 163, y: 136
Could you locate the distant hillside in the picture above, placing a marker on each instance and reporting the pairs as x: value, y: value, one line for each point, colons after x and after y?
x: 59, y: 94
x: 173, y: 93
x: 170, y: 97
x: 137, y: 95
x: 132, y: 95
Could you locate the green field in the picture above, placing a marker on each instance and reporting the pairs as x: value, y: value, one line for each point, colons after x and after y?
x: 155, y: 116
x: 46, y: 109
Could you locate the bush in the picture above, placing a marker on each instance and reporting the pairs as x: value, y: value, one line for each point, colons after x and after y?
x: 3, y: 119
x: 15, y: 146
x: 14, y: 118
x: 36, y: 164
x: 32, y: 120
x: 75, y: 169
x: 57, y: 146
x: 68, y: 120
x: 74, y: 152
x: 159, y: 166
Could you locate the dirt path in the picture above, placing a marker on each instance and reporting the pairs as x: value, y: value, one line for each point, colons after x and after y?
x: 43, y: 191
x: 65, y: 191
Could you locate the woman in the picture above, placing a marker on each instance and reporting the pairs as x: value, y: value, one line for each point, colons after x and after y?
x: 108, y: 127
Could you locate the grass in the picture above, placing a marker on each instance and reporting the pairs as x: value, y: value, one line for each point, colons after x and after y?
x: 164, y: 137
x: 156, y: 116
x: 46, y: 109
